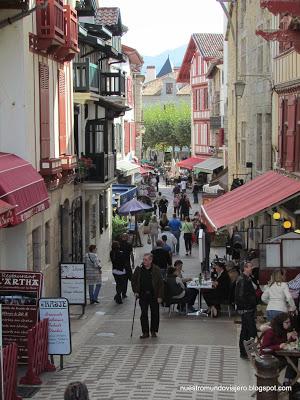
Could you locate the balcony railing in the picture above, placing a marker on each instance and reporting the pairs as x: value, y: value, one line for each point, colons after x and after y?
x: 50, y: 24
x: 86, y: 77
x: 102, y: 167
x: 68, y: 51
x: 112, y: 84
x: 282, y: 6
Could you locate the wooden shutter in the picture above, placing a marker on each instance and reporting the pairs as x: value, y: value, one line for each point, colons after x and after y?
x: 44, y: 111
x: 129, y: 91
x: 126, y: 137
x: 297, y: 141
x: 133, y: 136
x: 62, y: 112
x: 291, y: 132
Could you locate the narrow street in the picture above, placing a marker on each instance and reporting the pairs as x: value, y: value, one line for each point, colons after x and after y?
x: 188, y: 350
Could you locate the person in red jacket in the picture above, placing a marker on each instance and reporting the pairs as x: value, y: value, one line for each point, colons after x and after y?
x: 277, y: 338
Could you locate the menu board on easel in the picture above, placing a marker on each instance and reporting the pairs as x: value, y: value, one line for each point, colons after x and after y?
x: 73, y: 283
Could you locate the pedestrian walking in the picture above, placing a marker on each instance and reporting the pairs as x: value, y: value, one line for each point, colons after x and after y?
x: 157, y: 182
x: 118, y: 260
x: 195, y: 192
x: 171, y: 239
x: 175, y: 226
x: 187, y: 229
x: 185, y: 206
x: 163, y: 206
x: 126, y: 247
x: 163, y: 221
x: 176, y: 204
x: 176, y: 189
x: 245, y: 299
x: 148, y: 286
x: 183, y: 186
x: 76, y: 391
x: 153, y: 227
x: 161, y: 257
x: 93, y: 273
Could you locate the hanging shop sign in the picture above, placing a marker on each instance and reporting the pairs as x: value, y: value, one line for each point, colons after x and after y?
x: 19, y: 295
x: 59, y: 336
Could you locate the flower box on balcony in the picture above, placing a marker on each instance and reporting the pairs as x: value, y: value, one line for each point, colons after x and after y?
x: 50, y: 25
x: 68, y: 51
x: 68, y: 162
x: 50, y: 166
x: 282, y: 6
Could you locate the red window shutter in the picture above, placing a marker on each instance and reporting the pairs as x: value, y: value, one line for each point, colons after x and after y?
x: 133, y: 136
x: 290, y: 132
x: 129, y: 91
x: 62, y: 112
x: 44, y: 111
x: 195, y: 100
x: 127, y: 137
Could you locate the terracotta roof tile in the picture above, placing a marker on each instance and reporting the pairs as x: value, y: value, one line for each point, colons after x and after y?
x: 108, y: 16
x: 209, y: 44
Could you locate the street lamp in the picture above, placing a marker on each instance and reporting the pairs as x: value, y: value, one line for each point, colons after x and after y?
x: 239, y: 87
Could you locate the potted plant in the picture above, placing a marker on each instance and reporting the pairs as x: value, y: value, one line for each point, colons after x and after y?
x: 119, y: 226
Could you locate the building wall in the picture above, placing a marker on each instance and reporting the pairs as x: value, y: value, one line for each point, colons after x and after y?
x: 20, y: 134
x: 251, y: 140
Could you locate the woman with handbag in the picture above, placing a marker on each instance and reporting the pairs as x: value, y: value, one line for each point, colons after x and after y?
x: 188, y: 230
x: 93, y: 273
x: 277, y: 296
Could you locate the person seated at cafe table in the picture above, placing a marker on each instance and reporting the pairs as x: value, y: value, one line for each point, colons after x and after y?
x: 178, y: 264
x: 220, y: 292
x: 277, y: 338
x: 177, y: 290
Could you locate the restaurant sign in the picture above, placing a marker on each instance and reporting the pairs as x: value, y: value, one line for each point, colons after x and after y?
x: 19, y: 295
x: 56, y: 310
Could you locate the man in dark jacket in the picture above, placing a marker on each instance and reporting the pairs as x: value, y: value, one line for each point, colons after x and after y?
x: 127, y: 249
x: 161, y: 257
x: 245, y: 300
x: 148, y: 286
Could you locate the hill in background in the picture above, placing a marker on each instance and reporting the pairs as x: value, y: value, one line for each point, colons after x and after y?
x: 176, y: 57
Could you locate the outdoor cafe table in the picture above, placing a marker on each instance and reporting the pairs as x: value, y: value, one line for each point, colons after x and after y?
x: 288, y: 355
x: 194, y: 284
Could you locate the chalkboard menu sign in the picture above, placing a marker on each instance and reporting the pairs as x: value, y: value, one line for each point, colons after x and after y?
x: 57, y: 312
x: 19, y: 295
x: 72, y: 283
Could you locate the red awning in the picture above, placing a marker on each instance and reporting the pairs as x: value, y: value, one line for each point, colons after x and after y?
x: 190, y: 162
x: 6, y: 214
x: 22, y: 187
x: 260, y: 194
x: 144, y: 171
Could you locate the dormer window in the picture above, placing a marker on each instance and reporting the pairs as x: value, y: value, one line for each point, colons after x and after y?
x: 116, y: 43
x: 169, y: 88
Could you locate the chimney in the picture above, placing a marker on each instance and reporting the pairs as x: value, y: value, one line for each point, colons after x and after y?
x: 150, y: 73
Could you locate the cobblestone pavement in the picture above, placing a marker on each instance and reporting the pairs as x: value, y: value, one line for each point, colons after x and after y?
x: 188, y: 351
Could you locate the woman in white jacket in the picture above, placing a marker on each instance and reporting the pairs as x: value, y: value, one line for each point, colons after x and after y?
x: 277, y: 296
x: 153, y: 226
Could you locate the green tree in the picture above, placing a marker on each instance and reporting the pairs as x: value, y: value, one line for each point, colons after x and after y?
x: 168, y: 125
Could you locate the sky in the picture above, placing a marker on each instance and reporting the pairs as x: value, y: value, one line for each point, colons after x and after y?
x: 159, y: 25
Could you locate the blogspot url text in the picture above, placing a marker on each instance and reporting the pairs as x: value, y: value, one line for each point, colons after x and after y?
x: 234, y: 388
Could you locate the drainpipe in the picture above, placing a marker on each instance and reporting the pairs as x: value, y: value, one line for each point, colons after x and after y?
x: 21, y: 15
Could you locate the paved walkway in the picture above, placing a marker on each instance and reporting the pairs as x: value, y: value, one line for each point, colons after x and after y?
x: 189, y: 351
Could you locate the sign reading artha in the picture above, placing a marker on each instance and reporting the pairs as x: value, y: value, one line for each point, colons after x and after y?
x: 19, y: 294
x: 57, y: 312
x: 72, y: 282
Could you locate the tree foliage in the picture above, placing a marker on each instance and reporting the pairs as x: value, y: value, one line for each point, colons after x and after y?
x: 168, y: 125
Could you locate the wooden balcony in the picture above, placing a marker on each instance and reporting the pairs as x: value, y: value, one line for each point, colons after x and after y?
x: 68, y: 51
x: 86, y: 77
x: 282, y: 6
x: 50, y: 25
x: 102, y: 168
x: 112, y: 84
x: 14, y: 4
